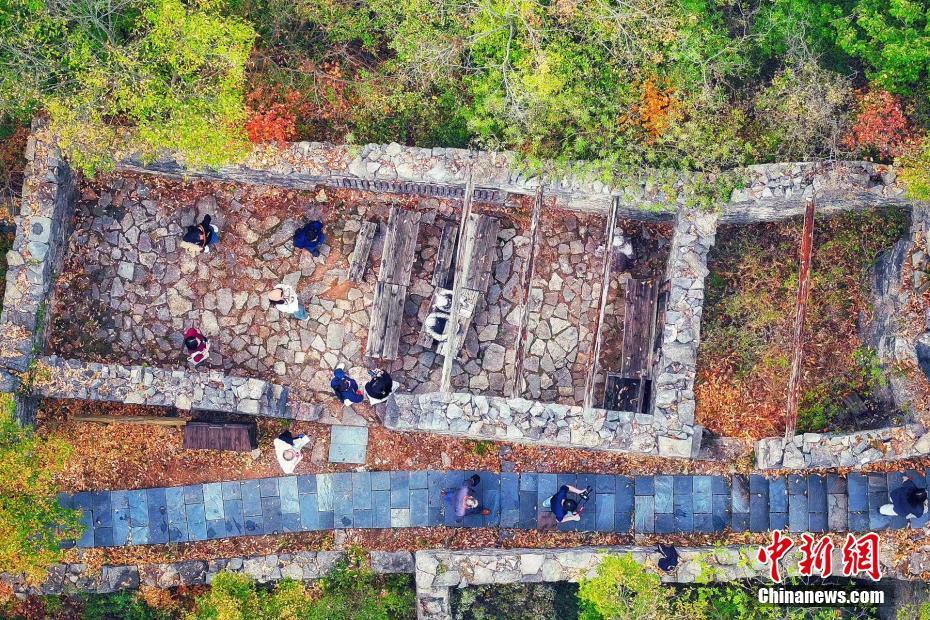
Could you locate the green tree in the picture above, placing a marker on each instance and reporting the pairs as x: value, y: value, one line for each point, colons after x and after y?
x: 893, y: 38
x: 33, y: 524
x: 122, y: 77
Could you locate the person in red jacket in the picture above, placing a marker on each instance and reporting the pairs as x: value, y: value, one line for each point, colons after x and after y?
x: 197, y: 345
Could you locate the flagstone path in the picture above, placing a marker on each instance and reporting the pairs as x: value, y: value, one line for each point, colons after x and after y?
x: 623, y: 504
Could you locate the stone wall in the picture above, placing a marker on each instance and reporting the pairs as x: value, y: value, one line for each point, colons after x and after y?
x: 205, y: 390
x: 829, y: 450
x: 521, y: 420
x: 676, y: 369
x: 77, y: 578
x: 439, y: 571
x: 771, y: 191
x: 49, y: 192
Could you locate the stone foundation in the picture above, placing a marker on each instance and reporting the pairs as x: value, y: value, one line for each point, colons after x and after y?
x: 49, y: 192
x: 140, y: 385
x: 304, y: 565
x: 521, y: 420
x: 439, y: 571
x: 770, y: 191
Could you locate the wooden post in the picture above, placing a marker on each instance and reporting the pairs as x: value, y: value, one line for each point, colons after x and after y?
x: 451, y: 348
x: 526, y: 285
x: 605, y: 290
x: 804, y: 286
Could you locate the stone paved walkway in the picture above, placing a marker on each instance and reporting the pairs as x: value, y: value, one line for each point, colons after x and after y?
x: 623, y: 504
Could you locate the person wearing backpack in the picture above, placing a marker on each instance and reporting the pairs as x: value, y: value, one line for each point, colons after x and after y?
x: 310, y: 237
x: 345, y: 387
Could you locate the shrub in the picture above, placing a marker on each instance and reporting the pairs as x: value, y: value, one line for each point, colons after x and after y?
x: 33, y: 524
x: 350, y: 592
x: 621, y: 589
x: 802, y: 114
x: 882, y: 128
x: 915, y: 171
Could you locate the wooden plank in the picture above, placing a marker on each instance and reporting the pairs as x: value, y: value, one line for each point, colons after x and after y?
x: 640, y: 303
x: 445, y: 257
x: 804, y: 288
x: 591, y: 378
x: 387, y: 315
x: 480, y: 250
x: 400, y: 243
x: 445, y: 382
x: 233, y: 437
x: 132, y: 419
x: 467, y: 307
x: 363, y: 243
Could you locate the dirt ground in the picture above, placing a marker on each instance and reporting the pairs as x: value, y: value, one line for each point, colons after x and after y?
x: 748, y: 325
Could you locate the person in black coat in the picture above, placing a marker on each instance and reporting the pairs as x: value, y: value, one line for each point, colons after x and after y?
x: 908, y: 500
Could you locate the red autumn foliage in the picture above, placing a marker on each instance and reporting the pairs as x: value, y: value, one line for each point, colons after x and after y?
x: 882, y: 126
x: 317, y: 111
x: 273, y: 114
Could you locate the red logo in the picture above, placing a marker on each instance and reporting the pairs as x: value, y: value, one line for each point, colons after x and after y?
x: 860, y: 555
x: 773, y: 553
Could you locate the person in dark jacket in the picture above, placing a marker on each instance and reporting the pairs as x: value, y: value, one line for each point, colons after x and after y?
x: 669, y: 560
x: 564, y: 504
x: 380, y: 386
x: 310, y: 237
x: 345, y: 387
x: 203, y: 235
x: 908, y: 500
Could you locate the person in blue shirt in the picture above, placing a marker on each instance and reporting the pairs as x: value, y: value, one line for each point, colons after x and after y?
x: 310, y: 237
x: 345, y: 387
x: 564, y: 504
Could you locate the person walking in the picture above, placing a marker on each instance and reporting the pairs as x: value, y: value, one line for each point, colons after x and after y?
x: 287, y: 449
x: 380, y: 386
x: 464, y: 500
x: 908, y: 500
x: 200, y: 237
x: 565, y: 503
x: 197, y: 345
x: 345, y: 387
x: 284, y: 298
x: 310, y: 237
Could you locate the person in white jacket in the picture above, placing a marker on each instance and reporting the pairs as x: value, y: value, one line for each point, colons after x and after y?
x: 284, y: 298
x: 287, y: 448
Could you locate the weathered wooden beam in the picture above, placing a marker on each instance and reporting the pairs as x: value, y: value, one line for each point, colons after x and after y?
x: 804, y: 287
x: 594, y: 366
x: 446, y: 380
x: 526, y: 285
x: 131, y: 419
x: 363, y: 243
